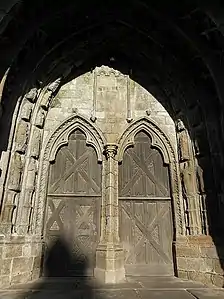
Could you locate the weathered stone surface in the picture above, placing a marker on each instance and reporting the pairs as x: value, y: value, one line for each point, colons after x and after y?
x: 21, y: 265
x: 207, y: 293
x: 188, y: 251
x: 4, y: 281
x: 21, y: 278
x: 37, y: 262
x: 21, y: 137
x: 11, y: 251
x: 26, y: 250
x: 26, y: 110
x: 36, y: 249
x: 15, y: 172
x: 5, y: 266
x: 36, y: 143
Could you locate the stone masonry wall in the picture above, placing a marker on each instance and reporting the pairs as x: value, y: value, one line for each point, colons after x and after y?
x: 20, y: 259
x: 112, y: 100
x: 197, y: 259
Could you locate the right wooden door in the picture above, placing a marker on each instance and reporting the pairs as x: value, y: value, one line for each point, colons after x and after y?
x: 146, y: 229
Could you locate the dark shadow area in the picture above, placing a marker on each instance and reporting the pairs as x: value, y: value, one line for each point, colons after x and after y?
x: 64, y: 275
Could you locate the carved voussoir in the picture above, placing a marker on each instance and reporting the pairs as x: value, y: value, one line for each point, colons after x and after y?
x: 26, y: 110
x: 32, y: 95
x: 36, y: 143
x: 39, y: 122
x: 21, y: 138
x: 15, y: 173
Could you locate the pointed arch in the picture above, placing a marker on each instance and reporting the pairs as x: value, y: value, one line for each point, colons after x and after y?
x: 163, y: 144
x: 60, y: 137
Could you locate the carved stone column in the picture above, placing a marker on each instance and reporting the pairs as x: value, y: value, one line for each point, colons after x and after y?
x: 109, y: 254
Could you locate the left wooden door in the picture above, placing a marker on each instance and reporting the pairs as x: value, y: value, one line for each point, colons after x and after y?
x: 72, y: 226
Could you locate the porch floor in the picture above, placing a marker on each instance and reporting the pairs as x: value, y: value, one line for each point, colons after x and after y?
x: 133, y: 288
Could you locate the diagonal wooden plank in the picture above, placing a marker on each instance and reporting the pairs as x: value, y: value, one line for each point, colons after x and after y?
x: 85, y: 216
x: 162, y: 212
x: 132, y: 180
x: 145, y: 170
x: 68, y: 155
x: 147, y: 234
x: 77, y: 163
x: 132, y: 251
x: 88, y: 180
x: 130, y: 183
x: 55, y: 214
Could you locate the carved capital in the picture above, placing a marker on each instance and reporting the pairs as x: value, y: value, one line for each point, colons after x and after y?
x: 110, y: 150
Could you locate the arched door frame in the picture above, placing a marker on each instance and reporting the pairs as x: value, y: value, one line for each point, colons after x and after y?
x: 57, y: 139
x: 160, y: 141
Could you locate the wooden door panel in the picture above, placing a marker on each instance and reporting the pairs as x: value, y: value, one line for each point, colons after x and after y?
x: 76, y: 220
x: 146, y: 233
x: 145, y: 210
x: 74, y: 201
x: 143, y: 172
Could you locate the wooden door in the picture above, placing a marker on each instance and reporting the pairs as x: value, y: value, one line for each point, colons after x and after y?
x: 73, y: 210
x: 145, y: 210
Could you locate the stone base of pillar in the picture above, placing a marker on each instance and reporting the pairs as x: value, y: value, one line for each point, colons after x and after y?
x: 109, y: 264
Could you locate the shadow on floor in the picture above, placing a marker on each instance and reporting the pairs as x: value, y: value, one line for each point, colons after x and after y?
x: 64, y: 275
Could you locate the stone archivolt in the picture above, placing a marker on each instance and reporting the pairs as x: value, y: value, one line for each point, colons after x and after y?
x: 25, y: 196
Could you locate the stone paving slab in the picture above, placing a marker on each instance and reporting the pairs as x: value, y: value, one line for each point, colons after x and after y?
x: 165, y: 283
x: 208, y: 293
x: 133, y: 288
x: 164, y: 294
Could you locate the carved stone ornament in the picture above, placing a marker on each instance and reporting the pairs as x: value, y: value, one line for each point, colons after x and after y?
x: 32, y: 95
x: 188, y: 178
x: 26, y: 110
x: 183, y: 146
x: 40, y: 118
x: 36, y: 143
x: 180, y: 125
x: 21, y: 137
x: 54, y: 85
x: 15, y: 173
x: 45, y: 101
x: 31, y: 177
x: 107, y: 71
x: 111, y: 150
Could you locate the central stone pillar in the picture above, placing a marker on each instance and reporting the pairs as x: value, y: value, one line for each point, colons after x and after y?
x: 109, y: 253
